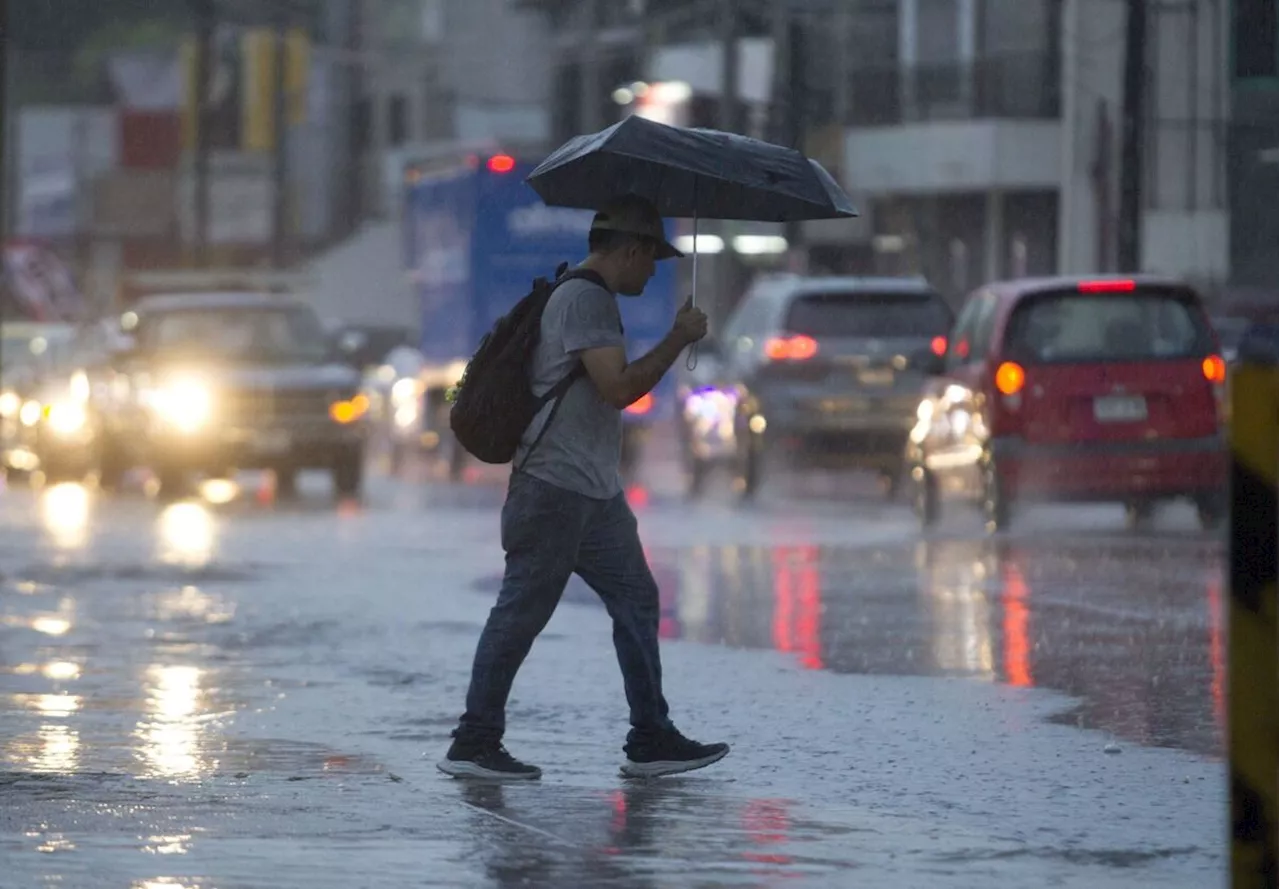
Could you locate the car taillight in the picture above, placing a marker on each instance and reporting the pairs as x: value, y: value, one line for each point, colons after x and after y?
x: 641, y: 405
x: 1115, y: 285
x: 938, y: 346
x: 1215, y: 369
x: 501, y: 163
x: 791, y: 348
x: 1010, y: 378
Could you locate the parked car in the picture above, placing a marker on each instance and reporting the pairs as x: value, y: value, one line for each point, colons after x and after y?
x: 815, y: 371
x: 1075, y: 389
x: 41, y: 427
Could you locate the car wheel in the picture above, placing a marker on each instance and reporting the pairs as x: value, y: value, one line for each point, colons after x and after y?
x: 1139, y: 514
x: 398, y: 457
x: 696, y: 473
x: 1212, y: 512
x: 14, y: 476
x: 348, y: 473
x: 286, y: 481
x: 890, y: 481
x: 995, y: 505
x: 111, y: 467
x: 173, y: 482
x: 924, y: 500
x: 751, y: 466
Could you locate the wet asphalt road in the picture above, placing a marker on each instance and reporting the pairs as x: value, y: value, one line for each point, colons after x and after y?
x: 240, y: 693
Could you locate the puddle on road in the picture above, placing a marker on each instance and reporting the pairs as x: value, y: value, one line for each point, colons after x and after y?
x: 1133, y: 629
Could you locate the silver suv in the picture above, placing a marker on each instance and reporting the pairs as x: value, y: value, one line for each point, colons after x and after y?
x: 815, y: 372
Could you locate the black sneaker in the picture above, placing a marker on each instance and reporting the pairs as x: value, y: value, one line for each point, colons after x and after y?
x: 669, y: 754
x: 489, y: 761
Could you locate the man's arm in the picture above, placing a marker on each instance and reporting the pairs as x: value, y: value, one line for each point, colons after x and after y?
x: 620, y: 383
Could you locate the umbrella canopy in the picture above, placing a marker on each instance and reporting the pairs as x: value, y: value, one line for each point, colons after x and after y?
x: 690, y: 173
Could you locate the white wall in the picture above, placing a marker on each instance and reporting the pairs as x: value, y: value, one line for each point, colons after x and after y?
x: 1092, y: 55
x: 954, y: 156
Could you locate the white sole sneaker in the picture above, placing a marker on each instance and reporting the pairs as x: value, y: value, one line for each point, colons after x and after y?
x: 658, y: 769
x: 465, y: 769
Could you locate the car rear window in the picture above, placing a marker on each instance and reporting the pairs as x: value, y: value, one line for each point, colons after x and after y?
x: 1143, y: 325
x: 877, y: 315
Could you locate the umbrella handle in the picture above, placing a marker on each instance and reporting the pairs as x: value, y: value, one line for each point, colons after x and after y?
x: 691, y: 361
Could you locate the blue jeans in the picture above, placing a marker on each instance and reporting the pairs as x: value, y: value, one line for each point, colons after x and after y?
x: 548, y: 534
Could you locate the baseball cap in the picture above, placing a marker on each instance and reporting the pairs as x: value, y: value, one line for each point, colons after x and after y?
x: 636, y: 216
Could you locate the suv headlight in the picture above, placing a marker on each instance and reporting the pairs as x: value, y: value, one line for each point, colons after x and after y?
x: 66, y: 417
x: 186, y: 405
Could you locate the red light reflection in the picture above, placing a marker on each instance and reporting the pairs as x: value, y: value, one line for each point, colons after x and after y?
x: 1217, y: 654
x: 638, y: 496
x: 1017, y: 646
x: 797, y: 611
x: 767, y: 822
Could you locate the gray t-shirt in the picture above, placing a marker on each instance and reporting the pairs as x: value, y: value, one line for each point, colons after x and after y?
x: 581, y: 449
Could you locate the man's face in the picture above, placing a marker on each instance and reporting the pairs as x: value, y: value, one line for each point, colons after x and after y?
x: 637, y: 266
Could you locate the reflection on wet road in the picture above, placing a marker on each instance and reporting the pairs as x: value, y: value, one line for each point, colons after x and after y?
x: 245, y: 687
x: 1133, y: 629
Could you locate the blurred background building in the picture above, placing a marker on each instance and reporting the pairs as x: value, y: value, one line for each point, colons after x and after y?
x: 980, y: 138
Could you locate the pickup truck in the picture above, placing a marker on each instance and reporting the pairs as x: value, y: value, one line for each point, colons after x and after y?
x: 207, y: 383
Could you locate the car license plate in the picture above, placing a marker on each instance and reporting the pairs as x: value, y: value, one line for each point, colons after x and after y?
x: 273, y: 441
x: 877, y: 377
x: 1120, y: 409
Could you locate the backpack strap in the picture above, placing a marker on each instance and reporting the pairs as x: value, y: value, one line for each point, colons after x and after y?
x: 557, y: 392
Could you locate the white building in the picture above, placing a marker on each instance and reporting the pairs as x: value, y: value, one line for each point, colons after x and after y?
x: 986, y: 144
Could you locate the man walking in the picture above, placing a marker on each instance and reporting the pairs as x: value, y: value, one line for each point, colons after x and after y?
x: 565, y: 512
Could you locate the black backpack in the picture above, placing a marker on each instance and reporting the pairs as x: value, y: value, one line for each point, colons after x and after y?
x: 494, y: 404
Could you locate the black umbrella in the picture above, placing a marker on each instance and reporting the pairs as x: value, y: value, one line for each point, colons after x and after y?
x: 690, y: 173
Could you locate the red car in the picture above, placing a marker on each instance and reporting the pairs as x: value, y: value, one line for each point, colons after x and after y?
x: 1075, y: 390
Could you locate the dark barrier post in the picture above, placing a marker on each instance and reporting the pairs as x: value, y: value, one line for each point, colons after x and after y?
x: 1252, y: 731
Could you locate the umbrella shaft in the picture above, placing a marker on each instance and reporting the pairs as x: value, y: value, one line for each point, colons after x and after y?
x: 696, y: 251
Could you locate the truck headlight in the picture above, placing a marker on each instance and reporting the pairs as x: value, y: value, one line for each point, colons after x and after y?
x: 186, y: 405
x: 66, y: 417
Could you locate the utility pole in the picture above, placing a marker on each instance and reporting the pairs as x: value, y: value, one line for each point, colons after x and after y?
x: 796, y: 123
x: 357, y: 122
x: 730, y: 120
x: 1132, y: 136
x: 280, y: 146
x: 589, y: 56
x: 204, y: 15
x: 4, y: 160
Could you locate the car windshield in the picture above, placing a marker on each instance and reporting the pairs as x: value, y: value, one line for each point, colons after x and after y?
x: 871, y: 315
x: 1145, y: 325
x: 243, y: 334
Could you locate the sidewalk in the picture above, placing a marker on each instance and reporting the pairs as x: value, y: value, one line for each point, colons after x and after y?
x: 300, y: 749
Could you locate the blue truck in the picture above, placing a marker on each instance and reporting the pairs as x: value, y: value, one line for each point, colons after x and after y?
x: 475, y: 237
